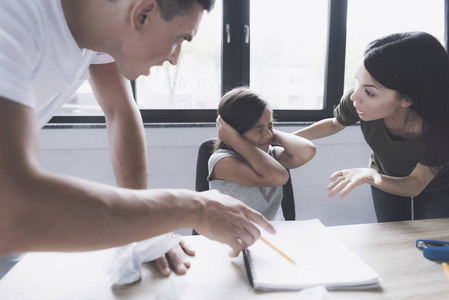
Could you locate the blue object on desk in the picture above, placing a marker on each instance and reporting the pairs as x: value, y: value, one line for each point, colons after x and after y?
x: 434, y: 249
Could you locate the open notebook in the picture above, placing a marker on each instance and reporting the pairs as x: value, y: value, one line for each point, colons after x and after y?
x: 320, y: 259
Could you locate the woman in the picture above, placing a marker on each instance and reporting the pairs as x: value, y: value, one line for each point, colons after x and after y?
x: 402, y: 103
x: 245, y: 165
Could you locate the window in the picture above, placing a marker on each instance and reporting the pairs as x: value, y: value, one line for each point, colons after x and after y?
x: 287, y: 61
x: 368, y: 20
x: 300, y: 55
x: 195, y: 82
x: 81, y: 103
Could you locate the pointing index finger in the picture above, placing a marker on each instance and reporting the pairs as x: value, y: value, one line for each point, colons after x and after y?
x: 260, y: 220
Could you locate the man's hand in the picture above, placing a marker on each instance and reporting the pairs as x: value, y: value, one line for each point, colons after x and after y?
x: 229, y: 221
x: 177, y: 257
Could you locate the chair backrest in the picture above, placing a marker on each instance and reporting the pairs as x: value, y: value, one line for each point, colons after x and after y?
x: 202, y: 171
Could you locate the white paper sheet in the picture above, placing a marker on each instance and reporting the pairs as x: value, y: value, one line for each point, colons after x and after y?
x: 321, y: 259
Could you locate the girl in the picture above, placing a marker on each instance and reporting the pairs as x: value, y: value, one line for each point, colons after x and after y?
x: 245, y: 165
x: 402, y: 103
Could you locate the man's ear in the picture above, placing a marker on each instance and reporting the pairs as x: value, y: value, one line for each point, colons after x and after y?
x: 141, y: 12
x: 407, y: 102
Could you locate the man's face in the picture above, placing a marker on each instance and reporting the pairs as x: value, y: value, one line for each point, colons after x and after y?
x: 156, y: 41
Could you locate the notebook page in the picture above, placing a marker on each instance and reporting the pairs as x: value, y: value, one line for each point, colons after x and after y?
x: 321, y: 259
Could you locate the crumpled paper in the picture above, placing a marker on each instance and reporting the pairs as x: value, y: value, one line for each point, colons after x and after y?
x: 314, y: 293
x: 127, y: 260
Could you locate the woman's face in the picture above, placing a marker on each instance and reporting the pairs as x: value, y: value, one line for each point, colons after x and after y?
x: 373, y: 101
x: 261, y: 134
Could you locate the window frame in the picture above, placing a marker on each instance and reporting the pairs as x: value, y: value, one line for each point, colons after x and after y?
x: 235, y: 69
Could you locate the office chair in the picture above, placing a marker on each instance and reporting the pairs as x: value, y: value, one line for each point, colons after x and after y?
x: 205, y: 151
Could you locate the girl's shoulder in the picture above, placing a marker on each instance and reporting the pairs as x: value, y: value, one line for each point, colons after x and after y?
x: 222, y: 153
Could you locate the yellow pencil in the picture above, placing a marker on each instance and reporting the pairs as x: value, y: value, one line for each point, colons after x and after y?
x: 280, y: 252
x: 446, y: 268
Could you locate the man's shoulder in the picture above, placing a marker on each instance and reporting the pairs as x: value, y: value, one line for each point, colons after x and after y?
x: 14, y: 13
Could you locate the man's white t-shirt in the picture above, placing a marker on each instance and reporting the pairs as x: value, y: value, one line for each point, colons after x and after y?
x: 41, y: 65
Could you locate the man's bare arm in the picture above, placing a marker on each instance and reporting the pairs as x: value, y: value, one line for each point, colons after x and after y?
x: 42, y: 211
x: 124, y: 125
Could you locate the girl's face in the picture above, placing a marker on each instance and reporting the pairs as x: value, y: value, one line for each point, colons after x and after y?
x: 373, y: 101
x: 261, y: 134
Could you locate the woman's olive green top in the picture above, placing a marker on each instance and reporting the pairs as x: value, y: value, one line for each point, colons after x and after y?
x: 390, y: 155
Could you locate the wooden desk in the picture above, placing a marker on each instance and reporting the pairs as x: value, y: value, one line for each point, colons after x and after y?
x: 389, y: 248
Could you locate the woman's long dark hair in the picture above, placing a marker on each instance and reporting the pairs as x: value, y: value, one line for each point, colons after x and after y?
x: 241, y: 108
x: 416, y: 65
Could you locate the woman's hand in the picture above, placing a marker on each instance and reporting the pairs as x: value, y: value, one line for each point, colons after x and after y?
x: 346, y: 180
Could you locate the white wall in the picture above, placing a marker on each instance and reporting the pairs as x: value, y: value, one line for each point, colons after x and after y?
x: 172, y: 160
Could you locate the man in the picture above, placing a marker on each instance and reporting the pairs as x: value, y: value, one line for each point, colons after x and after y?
x: 43, y: 60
